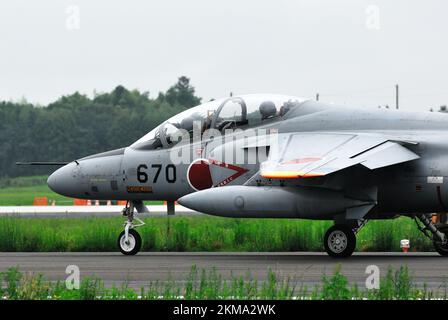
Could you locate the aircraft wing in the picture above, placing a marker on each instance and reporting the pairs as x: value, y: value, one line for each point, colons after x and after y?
x: 302, y: 155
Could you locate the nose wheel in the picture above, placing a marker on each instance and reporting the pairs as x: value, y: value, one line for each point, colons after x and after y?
x: 132, y: 244
x: 340, y: 241
x: 129, y: 241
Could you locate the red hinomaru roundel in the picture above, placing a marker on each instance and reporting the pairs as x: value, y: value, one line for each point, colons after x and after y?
x: 200, y: 178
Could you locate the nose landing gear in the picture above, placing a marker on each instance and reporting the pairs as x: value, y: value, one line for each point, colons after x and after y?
x: 129, y: 241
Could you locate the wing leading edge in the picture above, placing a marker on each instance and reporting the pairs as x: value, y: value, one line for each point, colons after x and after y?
x: 306, y: 155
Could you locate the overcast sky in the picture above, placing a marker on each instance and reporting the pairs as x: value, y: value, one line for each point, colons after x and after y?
x: 351, y: 52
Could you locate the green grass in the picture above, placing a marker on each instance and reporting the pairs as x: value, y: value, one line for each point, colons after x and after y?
x: 209, y: 284
x: 22, y: 190
x: 198, y: 233
x: 24, y: 196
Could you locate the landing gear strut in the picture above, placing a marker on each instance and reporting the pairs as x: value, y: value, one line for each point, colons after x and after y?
x: 436, y: 232
x: 340, y: 239
x: 129, y: 241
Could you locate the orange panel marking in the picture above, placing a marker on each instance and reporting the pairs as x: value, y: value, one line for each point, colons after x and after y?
x: 289, y: 174
x: 40, y: 201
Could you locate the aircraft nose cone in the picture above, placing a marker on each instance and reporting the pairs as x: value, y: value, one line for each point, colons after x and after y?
x: 54, y: 180
x: 62, y: 181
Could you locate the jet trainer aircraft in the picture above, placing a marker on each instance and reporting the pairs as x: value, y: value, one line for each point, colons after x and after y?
x: 272, y: 156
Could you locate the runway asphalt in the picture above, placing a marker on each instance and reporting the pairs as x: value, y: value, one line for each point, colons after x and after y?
x: 306, y: 268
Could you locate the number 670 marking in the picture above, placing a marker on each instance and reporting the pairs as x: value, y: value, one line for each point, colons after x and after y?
x: 170, y: 173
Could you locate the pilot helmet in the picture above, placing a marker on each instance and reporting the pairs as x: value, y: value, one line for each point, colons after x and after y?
x: 267, y: 109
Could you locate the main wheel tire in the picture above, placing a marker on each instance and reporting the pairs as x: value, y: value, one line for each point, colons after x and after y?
x: 340, y: 241
x: 440, y: 248
x: 133, y: 245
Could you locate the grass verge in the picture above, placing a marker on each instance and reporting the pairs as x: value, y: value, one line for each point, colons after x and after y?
x: 198, y: 233
x: 203, y: 284
x: 21, y: 191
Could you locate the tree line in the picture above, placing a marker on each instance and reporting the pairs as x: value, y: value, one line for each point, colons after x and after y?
x: 75, y: 125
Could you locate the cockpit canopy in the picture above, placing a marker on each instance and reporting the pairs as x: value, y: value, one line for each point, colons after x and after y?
x: 241, y: 112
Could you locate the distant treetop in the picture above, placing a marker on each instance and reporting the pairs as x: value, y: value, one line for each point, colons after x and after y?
x: 182, y: 94
x: 77, y: 125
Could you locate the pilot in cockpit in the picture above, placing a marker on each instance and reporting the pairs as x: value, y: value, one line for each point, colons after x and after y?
x: 197, y: 120
x: 268, y: 110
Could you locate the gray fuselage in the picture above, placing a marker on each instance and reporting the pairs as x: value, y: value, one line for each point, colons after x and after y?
x: 413, y: 187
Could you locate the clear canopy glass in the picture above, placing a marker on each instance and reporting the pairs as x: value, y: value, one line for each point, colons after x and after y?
x: 229, y: 113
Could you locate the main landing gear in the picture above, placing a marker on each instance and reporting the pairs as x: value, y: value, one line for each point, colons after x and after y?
x: 129, y: 241
x: 438, y: 233
x: 340, y: 239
